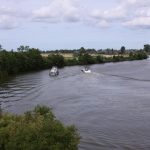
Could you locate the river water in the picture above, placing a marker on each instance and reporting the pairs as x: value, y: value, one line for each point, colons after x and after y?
x: 110, y: 107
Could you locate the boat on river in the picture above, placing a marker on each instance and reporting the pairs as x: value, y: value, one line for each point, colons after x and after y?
x: 86, y: 70
x: 54, y: 71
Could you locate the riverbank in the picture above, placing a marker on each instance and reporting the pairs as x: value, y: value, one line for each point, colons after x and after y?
x: 109, y: 106
x: 12, y: 63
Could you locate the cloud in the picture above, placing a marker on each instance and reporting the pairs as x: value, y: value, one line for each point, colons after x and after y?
x: 58, y: 11
x: 6, y: 22
x: 107, y: 17
x: 139, y: 22
x: 140, y: 14
x: 137, y: 3
x: 126, y: 13
x: 113, y: 14
x: 103, y: 24
x: 12, y: 17
x: 74, y: 11
x: 7, y: 18
x: 129, y: 13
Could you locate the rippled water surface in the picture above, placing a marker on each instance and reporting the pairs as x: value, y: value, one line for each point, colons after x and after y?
x: 110, y: 106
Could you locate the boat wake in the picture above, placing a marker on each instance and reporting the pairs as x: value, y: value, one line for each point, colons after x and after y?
x: 65, y: 76
x: 124, y: 77
x: 104, y: 74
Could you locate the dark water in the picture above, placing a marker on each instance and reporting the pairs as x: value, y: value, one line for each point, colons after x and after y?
x: 110, y: 107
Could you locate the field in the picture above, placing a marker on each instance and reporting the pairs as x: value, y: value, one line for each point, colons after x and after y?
x: 70, y: 55
x: 65, y: 55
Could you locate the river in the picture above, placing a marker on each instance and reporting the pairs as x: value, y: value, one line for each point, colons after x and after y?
x: 110, y: 107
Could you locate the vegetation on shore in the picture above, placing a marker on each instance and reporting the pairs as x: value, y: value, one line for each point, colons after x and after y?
x: 30, y: 59
x: 36, y: 130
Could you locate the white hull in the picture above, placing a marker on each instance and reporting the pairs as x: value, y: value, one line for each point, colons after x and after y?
x: 86, y: 71
x: 54, y: 71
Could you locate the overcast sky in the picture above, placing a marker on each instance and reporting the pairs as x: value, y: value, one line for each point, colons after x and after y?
x: 56, y: 24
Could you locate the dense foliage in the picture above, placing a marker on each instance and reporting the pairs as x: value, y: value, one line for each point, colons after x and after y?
x: 22, y: 61
x: 56, y: 60
x: 84, y: 58
x: 147, y: 48
x: 36, y: 130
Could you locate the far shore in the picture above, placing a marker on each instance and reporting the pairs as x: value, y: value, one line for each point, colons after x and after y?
x: 71, y: 56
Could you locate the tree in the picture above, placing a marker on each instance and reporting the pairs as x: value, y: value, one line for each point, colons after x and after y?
x: 131, y: 54
x: 56, y: 60
x: 82, y: 51
x: 23, y: 48
x: 100, y: 59
x: 36, y: 130
x: 123, y: 49
x: 1, y: 47
x: 147, y: 48
x: 86, y: 59
x: 34, y: 59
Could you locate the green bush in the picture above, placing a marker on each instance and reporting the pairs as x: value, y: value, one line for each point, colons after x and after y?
x: 22, y: 61
x: 71, y: 62
x: 36, y: 130
x: 56, y: 60
x: 139, y: 55
x: 100, y: 59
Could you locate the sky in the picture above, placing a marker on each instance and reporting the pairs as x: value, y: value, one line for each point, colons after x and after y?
x: 71, y: 24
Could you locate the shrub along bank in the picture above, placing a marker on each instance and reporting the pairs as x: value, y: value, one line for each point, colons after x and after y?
x: 36, y: 130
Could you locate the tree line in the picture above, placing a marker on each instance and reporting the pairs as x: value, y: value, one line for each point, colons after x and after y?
x: 107, y: 51
x: 22, y: 61
x: 30, y: 59
x: 84, y: 58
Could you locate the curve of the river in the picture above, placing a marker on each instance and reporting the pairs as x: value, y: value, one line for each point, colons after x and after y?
x: 110, y: 107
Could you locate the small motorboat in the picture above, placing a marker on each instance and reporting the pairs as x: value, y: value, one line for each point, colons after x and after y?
x: 86, y: 70
x: 54, y: 71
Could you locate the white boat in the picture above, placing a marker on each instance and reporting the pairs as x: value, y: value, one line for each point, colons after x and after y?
x: 86, y: 70
x: 54, y: 71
